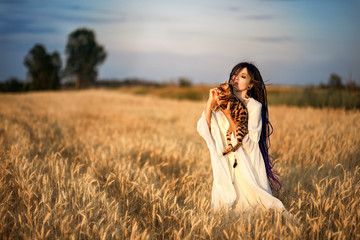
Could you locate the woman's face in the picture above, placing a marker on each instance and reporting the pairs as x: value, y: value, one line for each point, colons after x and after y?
x: 241, y: 81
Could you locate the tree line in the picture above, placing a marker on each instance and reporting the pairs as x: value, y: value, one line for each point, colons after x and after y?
x: 336, y: 82
x: 83, y: 57
x: 44, y: 70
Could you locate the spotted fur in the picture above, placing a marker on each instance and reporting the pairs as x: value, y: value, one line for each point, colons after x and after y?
x: 238, y: 112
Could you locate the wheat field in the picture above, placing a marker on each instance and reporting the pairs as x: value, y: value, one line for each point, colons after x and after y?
x: 104, y: 164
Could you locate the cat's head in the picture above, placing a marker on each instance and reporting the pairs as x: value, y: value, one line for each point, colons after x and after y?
x: 224, y: 91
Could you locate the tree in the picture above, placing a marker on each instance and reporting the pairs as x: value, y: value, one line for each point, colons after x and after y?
x: 84, y: 55
x: 43, y: 68
x: 335, y: 81
x: 11, y: 85
x: 184, y: 82
x: 351, y: 84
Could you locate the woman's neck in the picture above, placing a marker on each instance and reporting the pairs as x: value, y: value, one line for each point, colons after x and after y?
x: 241, y: 95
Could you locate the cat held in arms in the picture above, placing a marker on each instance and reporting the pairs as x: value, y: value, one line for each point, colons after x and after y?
x: 238, y: 113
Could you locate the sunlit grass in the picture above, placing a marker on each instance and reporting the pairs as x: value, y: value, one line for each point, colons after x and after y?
x: 108, y: 164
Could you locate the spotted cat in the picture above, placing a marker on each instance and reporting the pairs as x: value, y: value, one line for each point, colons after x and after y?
x: 238, y: 112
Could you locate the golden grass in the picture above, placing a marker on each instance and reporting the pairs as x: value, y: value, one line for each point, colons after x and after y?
x: 110, y: 165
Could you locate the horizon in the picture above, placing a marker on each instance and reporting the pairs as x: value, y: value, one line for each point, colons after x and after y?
x: 291, y: 42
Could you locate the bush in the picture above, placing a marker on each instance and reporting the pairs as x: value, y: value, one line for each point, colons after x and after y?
x: 184, y: 82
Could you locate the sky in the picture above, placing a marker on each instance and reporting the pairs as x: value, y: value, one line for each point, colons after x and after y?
x: 292, y: 42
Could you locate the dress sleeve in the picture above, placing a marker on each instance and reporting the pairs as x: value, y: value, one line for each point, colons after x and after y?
x: 254, y: 126
x: 223, y: 191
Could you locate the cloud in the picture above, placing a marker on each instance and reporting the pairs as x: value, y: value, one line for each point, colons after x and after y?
x: 23, y: 25
x: 246, y: 12
x: 286, y: 0
x: 76, y: 7
x: 13, y: 1
x: 233, y: 8
x: 88, y: 19
x: 259, y: 17
x: 49, y: 22
x: 272, y: 39
x: 251, y: 17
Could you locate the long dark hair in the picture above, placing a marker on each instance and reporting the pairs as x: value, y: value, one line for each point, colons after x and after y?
x: 258, y: 92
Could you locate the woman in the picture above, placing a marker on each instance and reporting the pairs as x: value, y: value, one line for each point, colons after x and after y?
x: 249, y: 184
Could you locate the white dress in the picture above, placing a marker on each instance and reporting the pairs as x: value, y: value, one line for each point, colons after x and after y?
x: 246, y: 186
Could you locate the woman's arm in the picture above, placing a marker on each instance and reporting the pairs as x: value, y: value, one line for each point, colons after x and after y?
x: 208, y: 113
x: 210, y: 103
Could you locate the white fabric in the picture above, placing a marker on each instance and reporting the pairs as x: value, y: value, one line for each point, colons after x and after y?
x: 245, y: 186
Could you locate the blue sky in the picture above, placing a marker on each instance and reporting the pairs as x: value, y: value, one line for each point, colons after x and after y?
x: 293, y: 42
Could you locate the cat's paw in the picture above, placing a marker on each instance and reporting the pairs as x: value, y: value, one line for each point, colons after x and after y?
x: 227, y: 151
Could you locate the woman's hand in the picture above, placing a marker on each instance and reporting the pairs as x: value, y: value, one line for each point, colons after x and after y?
x: 226, y: 111
x: 213, y: 97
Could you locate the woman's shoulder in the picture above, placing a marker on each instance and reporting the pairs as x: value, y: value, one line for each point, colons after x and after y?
x: 254, y: 104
